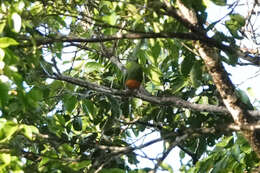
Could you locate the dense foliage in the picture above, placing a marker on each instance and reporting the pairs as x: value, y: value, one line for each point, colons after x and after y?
x: 64, y: 106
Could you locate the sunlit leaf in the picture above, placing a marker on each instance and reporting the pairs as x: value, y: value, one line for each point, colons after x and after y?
x: 225, y: 142
x: 204, y: 100
x: 111, y: 19
x: 220, y: 165
x: 2, y: 54
x: 251, y: 92
x: 36, y: 8
x: 93, y: 66
x: 155, y: 75
x: 28, y: 131
x: 235, y: 23
x: 167, y: 167
x: 6, y: 41
x: 5, y: 158
x: 79, y: 165
x: 7, y: 130
x: 2, y: 26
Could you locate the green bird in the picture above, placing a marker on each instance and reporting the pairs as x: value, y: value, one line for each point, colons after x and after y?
x: 134, y: 75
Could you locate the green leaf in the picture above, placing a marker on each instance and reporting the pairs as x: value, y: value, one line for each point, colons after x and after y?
x: 36, y: 94
x: 225, y: 142
x: 240, y: 20
x: 60, y: 20
x: 2, y: 25
x: 232, y: 59
x: 18, y: 79
x: 181, y: 154
x: 89, y: 107
x: 34, y: 97
x: 2, y: 54
x: 36, y: 8
x: 115, y: 107
x: 156, y: 50
x: 7, y: 130
x: 244, y: 98
x: 155, y: 75
x: 167, y: 167
x: 5, y: 158
x: 110, y: 19
x: 205, y: 165
x: 79, y: 165
x: 235, y: 151
x: 66, y: 117
x: 6, y: 41
x: 251, y: 92
x: 44, y: 161
x: 196, y: 74
x: 220, y: 165
x: 3, y: 94
x: 60, y: 119
x: 93, y: 66
x: 77, y: 123
x: 198, y: 5
x: 246, y: 149
x: 178, y: 84
x: 244, y: 145
x: 10, y: 57
x: 70, y: 102
x: 204, y: 100
x: 220, y: 2
x: 112, y: 170
x: 187, y: 65
x: 28, y: 131
x: 235, y: 23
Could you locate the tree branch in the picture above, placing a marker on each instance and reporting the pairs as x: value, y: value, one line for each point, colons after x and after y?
x: 188, y: 18
x: 119, y: 36
x: 166, y: 153
x: 254, y: 59
x: 237, y: 109
x: 118, y: 151
x: 168, y: 101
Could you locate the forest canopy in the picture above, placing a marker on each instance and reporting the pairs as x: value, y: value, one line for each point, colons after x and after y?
x: 83, y: 82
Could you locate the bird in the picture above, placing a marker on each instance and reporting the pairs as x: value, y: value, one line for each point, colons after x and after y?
x: 134, y: 75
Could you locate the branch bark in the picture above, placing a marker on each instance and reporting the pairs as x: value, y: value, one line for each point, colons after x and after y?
x: 254, y: 59
x: 237, y: 109
x: 224, y: 85
x: 168, y: 101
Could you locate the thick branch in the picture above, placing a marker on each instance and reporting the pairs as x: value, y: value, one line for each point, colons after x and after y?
x: 224, y: 85
x: 226, y: 89
x: 179, y: 35
x: 168, y: 101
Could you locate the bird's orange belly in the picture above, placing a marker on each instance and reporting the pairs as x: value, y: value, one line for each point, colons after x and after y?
x: 133, y: 84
